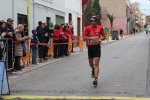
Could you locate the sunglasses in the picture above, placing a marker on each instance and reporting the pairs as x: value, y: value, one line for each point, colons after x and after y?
x: 93, y: 21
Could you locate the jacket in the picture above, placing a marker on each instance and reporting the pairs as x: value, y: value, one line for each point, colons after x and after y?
x: 41, y: 35
x: 62, y: 35
x: 56, y: 34
x: 34, y: 40
x: 19, y: 46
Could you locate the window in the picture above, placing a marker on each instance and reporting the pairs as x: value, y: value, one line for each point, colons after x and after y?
x: 59, y: 19
x: 22, y: 19
x: 48, y: 19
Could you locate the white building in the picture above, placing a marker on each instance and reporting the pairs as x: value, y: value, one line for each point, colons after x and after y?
x: 57, y: 11
x: 74, y: 13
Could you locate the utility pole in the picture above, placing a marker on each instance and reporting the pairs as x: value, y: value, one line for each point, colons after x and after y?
x: 28, y: 14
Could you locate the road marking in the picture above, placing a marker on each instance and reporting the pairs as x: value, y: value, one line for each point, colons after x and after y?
x: 75, y: 97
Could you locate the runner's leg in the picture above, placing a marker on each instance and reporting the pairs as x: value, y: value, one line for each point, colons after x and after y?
x: 96, y: 70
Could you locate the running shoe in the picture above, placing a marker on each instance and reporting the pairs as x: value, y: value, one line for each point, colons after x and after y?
x: 95, y: 82
x: 92, y: 75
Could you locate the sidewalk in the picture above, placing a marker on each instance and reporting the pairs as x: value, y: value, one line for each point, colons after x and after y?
x: 52, y: 60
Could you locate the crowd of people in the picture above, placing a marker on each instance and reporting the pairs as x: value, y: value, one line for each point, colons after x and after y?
x: 17, y: 46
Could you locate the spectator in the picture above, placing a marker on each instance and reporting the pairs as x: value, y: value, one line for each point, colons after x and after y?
x: 34, y: 47
x: 51, y: 28
x: 56, y: 40
x: 11, y: 45
x: 66, y: 34
x: 25, y: 29
x: 2, y: 34
x: 72, y: 31
x: 19, y: 46
x: 47, y: 30
x: 66, y: 24
x: 41, y: 38
x: 63, y: 39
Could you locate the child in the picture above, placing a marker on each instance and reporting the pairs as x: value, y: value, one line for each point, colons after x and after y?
x: 34, y: 46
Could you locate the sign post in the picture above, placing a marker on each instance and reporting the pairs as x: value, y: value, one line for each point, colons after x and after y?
x: 28, y: 18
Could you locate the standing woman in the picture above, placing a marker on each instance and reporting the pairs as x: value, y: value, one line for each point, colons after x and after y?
x: 63, y: 39
x: 20, y: 38
x: 66, y: 34
x: 57, y: 40
x: 41, y: 38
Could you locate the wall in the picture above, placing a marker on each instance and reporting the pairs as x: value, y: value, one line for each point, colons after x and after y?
x: 75, y: 8
x: 3, y: 9
x: 48, y: 10
x: 116, y: 7
x: 42, y: 10
x: 118, y: 23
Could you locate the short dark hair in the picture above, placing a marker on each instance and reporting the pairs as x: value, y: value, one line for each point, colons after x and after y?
x: 57, y: 26
x: 65, y: 28
x: 62, y: 24
x: 40, y: 23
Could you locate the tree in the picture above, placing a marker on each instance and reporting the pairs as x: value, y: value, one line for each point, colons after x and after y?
x: 111, y: 19
x: 104, y: 13
x: 145, y: 26
x: 97, y: 10
x: 87, y: 13
x: 92, y: 8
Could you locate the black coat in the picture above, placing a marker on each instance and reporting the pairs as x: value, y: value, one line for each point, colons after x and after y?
x: 41, y: 35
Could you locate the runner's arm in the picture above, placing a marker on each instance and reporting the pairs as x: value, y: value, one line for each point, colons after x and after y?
x: 85, y: 34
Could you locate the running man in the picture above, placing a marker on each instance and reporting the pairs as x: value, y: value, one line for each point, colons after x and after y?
x: 93, y: 34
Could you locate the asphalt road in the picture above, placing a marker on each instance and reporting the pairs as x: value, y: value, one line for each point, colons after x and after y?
x: 123, y: 72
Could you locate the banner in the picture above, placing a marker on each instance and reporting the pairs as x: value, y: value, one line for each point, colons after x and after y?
x: 4, y: 87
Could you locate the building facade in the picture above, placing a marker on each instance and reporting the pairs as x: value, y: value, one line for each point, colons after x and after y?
x: 137, y: 16
x: 120, y: 10
x: 148, y: 20
x: 56, y: 11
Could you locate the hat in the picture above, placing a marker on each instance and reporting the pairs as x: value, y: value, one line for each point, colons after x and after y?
x: 34, y: 31
x: 2, y: 21
x: 93, y: 18
x: 10, y: 20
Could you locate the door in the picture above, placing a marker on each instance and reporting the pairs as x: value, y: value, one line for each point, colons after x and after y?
x: 48, y: 19
x: 78, y: 26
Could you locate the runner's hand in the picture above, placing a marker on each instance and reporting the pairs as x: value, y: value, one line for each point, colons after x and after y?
x: 95, y: 38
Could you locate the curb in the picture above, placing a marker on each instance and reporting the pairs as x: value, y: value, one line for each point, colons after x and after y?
x: 72, y: 98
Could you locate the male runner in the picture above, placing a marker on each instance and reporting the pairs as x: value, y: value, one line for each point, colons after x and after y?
x: 93, y: 34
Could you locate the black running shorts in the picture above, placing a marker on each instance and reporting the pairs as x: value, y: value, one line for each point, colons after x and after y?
x: 94, y: 51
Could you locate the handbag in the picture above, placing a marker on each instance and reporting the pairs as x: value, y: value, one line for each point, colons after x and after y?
x: 25, y: 48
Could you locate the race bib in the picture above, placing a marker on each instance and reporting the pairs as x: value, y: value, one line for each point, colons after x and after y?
x: 94, y: 42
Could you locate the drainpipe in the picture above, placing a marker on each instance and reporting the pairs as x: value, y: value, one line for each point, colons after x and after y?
x: 13, y: 10
x: 33, y: 13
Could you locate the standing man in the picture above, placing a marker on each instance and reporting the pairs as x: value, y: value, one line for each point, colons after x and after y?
x: 72, y: 30
x: 10, y: 29
x: 93, y: 34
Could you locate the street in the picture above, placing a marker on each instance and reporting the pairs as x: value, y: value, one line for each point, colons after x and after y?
x: 123, y: 73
